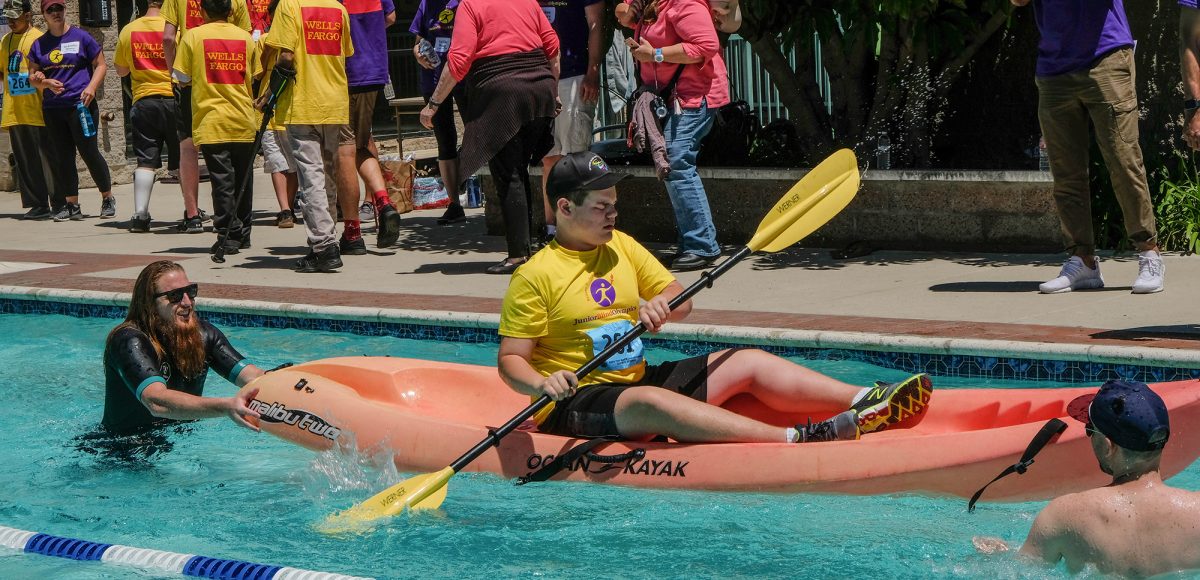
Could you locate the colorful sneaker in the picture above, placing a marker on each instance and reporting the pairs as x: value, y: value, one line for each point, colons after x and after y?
x: 355, y: 247
x: 139, y: 224
x: 1150, y: 273
x: 894, y: 406
x: 1075, y: 275
x: 840, y: 427
x: 108, y: 207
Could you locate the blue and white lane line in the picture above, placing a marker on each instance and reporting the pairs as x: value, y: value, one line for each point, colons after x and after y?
x: 156, y: 560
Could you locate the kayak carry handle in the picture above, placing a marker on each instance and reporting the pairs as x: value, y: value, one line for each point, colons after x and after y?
x: 1044, y: 436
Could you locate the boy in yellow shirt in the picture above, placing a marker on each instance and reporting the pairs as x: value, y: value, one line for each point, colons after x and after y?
x: 313, y: 40
x: 181, y: 16
x: 592, y: 284
x: 220, y: 61
x: 154, y: 114
x: 22, y: 111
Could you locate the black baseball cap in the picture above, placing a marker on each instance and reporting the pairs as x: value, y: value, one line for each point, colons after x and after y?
x: 1127, y: 412
x: 580, y: 171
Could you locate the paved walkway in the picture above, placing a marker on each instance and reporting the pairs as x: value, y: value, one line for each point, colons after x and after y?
x: 441, y: 268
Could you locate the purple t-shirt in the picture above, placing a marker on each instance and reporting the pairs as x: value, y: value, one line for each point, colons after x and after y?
x: 368, y: 67
x: 434, y: 22
x: 1188, y: 3
x: 570, y: 23
x: 1077, y: 32
x: 67, y: 58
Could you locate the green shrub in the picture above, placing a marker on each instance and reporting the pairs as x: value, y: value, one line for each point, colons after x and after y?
x: 1178, y: 207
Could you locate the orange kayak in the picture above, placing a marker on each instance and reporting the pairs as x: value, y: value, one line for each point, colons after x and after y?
x: 428, y: 413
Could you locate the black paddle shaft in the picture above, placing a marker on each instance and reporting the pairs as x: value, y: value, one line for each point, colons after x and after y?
x: 494, y: 436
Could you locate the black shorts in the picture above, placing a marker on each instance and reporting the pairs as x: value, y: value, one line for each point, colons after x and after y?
x: 590, y: 412
x: 183, y: 117
x: 153, y: 122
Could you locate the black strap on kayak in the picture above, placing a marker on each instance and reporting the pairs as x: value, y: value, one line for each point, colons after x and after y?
x: 573, y: 454
x: 1044, y: 436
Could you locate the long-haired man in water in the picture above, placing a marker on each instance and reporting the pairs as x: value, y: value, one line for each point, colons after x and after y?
x: 155, y: 362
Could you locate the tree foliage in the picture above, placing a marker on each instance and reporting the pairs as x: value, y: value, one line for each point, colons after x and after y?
x: 890, y: 64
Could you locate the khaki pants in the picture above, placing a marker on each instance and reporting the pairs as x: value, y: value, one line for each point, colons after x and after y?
x: 1106, y: 95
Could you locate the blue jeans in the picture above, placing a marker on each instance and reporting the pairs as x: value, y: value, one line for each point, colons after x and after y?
x: 683, y: 133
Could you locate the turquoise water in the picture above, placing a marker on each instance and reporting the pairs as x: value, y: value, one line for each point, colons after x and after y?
x: 226, y: 492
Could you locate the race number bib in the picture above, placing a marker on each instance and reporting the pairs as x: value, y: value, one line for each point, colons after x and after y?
x: 18, y: 84
x: 549, y: 10
x: 606, y: 335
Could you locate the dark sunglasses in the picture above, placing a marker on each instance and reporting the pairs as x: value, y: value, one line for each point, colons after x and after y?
x: 174, y: 296
x: 56, y: 8
x: 1089, y: 428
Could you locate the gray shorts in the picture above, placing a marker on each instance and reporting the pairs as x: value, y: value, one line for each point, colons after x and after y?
x: 277, y: 153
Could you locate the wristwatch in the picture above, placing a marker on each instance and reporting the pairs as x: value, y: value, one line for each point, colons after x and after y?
x: 432, y: 104
x: 658, y: 56
x: 1191, y: 104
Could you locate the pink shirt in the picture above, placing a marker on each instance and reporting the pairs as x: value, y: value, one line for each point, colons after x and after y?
x: 495, y: 27
x: 688, y: 22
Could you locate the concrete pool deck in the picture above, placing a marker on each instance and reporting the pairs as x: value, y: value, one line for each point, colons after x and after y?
x: 893, y: 296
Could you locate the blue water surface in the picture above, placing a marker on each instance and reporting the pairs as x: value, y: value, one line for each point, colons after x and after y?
x: 226, y: 492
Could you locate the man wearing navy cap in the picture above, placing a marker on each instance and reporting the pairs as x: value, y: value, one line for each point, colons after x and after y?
x: 1136, y: 525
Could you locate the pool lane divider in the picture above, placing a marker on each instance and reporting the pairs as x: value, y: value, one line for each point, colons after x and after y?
x: 155, y: 560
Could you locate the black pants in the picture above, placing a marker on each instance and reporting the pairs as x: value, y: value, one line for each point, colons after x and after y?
x: 27, y: 142
x: 228, y: 164
x: 444, y: 129
x: 65, y: 135
x: 510, y: 172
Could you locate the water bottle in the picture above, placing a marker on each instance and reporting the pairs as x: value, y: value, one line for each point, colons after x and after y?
x: 427, y: 51
x: 474, y: 193
x: 86, y: 123
x: 883, y: 152
x: 1043, y: 159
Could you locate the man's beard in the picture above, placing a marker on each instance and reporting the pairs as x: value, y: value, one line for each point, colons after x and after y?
x: 184, y: 344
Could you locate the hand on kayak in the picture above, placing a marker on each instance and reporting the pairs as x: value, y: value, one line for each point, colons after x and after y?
x: 560, y: 385
x: 655, y: 312
x: 240, y: 411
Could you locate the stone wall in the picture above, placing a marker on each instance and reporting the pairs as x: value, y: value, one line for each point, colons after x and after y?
x: 916, y: 210
x: 111, y: 124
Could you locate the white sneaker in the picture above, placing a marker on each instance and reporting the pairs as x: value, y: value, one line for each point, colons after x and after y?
x: 1075, y: 276
x: 1150, y: 273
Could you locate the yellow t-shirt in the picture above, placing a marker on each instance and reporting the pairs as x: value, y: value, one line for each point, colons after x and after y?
x: 140, y: 49
x: 221, y: 61
x: 185, y: 15
x: 318, y: 34
x: 22, y: 102
x: 577, y: 303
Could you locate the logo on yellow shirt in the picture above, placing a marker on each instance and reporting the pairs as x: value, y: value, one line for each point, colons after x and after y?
x: 603, y: 292
x: 322, y: 30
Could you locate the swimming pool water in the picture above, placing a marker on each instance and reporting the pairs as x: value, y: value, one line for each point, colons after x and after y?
x: 227, y: 492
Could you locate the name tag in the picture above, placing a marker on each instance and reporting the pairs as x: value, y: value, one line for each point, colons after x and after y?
x: 602, y: 337
x: 441, y: 44
x: 69, y: 47
x: 549, y: 11
x: 18, y: 85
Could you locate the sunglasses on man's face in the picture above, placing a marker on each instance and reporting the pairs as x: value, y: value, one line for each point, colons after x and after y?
x: 174, y: 296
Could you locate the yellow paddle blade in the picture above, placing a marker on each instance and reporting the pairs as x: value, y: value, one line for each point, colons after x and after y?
x: 812, y: 202
x: 425, y: 491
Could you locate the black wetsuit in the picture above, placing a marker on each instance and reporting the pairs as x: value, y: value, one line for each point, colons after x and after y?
x: 131, y: 365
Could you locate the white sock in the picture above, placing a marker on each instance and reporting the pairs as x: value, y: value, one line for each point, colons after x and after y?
x: 860, y: 396
x: 792, y: 435
x: 143, y: 183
